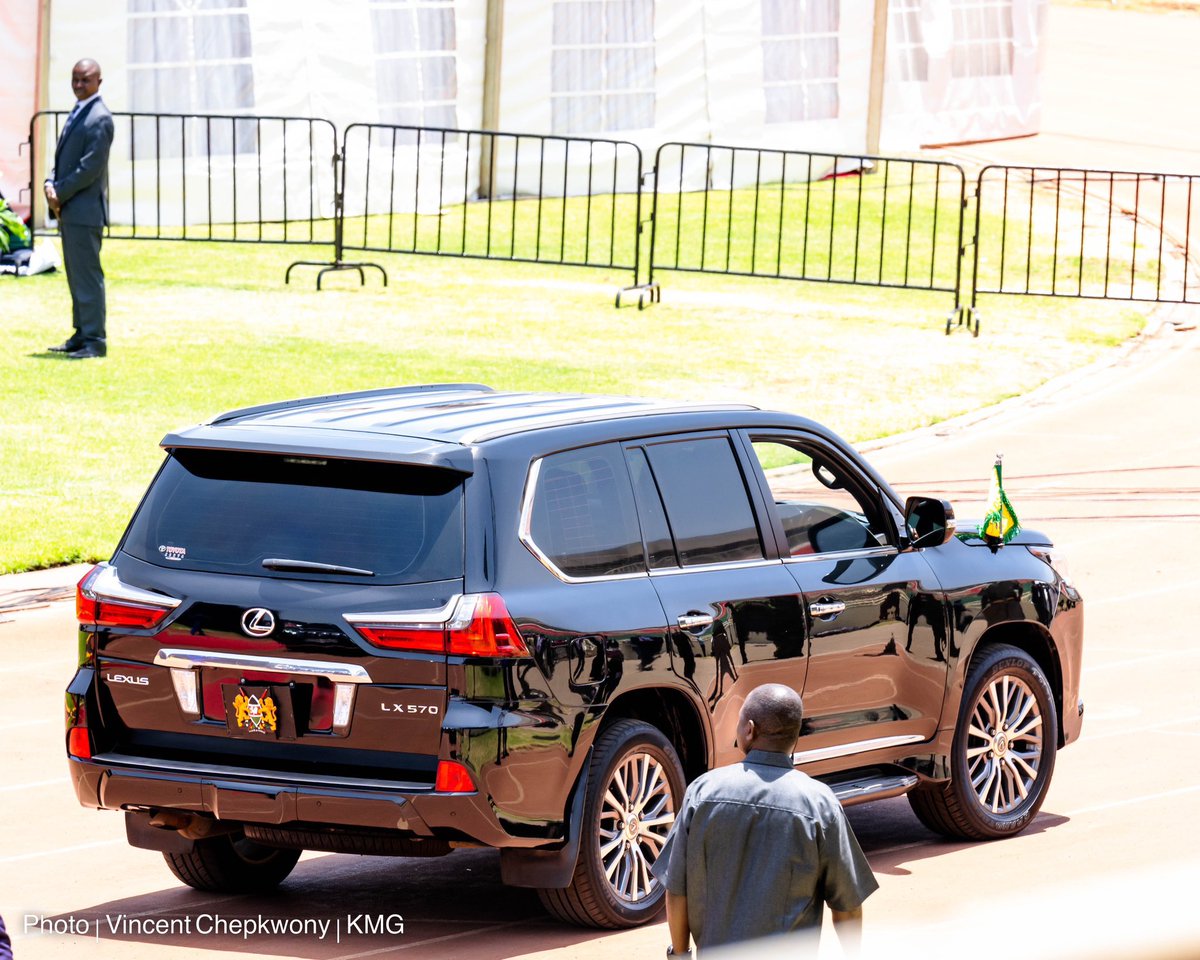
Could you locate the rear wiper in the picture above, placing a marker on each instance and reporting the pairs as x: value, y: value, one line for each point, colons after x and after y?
x: 311, y: 566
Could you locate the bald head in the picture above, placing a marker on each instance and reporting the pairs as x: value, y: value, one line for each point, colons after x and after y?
x: 85, y: 79
x: 770, y: 719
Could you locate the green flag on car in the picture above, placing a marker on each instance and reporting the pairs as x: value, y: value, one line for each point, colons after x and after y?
x: 1000, y: 523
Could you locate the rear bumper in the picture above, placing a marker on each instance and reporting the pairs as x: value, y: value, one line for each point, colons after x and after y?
x: 121, y: 782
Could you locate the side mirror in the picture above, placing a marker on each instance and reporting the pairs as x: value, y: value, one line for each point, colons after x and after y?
x: 930, y: 522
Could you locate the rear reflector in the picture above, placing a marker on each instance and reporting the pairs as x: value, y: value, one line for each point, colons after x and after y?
x: 453, y: 778
x: 79, y: 744
x: 473, y: 625
x: 102, y: 600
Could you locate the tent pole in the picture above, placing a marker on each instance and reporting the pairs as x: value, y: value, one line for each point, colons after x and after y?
x: 878, y: 63
x: 41, y: 101
x: 492, y: 63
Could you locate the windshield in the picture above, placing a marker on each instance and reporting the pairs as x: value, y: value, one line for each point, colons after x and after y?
x: 307, y: 517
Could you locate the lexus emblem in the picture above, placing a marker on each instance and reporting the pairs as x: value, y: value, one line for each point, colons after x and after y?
x: 258, y: 622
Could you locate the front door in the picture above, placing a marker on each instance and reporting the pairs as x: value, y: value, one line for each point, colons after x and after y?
x: 876, y: 616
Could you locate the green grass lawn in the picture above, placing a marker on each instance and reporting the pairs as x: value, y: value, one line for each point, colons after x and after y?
x: 196, y: 329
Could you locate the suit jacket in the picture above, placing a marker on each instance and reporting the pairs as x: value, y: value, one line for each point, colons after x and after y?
x: 81, y: 167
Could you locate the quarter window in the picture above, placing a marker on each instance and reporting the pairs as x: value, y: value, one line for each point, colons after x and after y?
x: 583, y: 518
x: 706, y: 501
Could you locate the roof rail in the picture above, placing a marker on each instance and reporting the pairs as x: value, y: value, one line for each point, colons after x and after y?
x: 354, y: 395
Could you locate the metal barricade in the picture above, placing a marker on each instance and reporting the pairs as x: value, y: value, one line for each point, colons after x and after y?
x: 568, y: 201
x: 795, y: 215
x: 1097, y: 234
x: 208, y: 177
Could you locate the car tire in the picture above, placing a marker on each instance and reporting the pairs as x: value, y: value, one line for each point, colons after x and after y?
x: 232, y: 864
x: 1005, y: 744
x: 612, y: 886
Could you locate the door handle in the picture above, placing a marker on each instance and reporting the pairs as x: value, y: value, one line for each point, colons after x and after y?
x: 694, y: 621
x: 826, y: 609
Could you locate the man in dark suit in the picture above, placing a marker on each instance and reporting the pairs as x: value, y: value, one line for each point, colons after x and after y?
x: 77, y: 194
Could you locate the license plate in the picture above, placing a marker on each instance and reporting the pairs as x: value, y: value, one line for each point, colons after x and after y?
x: 255, y: 711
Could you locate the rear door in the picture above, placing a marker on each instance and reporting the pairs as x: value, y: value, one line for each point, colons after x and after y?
x: 295, y: 582
x: 734, y: 614
x: 876, y: 615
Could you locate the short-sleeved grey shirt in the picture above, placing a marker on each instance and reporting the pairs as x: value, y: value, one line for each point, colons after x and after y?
x: 758, y: 848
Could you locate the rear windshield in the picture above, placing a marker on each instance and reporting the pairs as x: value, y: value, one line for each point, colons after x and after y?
x: 229, y: 512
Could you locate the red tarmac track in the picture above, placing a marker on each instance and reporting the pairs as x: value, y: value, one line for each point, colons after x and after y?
x: 1107, y: 461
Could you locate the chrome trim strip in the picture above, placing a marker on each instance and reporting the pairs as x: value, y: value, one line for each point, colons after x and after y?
x: 108, y: 585
x: 716, y: 567
x: 430, y: 618
x: 336, y: 672
x: 844, y: 555
x: 849, y: 749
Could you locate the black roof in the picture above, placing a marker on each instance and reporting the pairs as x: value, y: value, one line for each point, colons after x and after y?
x: 430, y: 424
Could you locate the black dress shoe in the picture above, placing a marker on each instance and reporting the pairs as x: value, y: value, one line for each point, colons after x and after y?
x: 88, y: 352
x: 69, y: 346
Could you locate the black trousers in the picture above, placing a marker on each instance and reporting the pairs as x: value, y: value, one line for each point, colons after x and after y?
x: 85, y: 277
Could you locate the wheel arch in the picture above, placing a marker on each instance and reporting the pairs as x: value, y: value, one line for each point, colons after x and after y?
x: 673, y: 713
x: 1035, y: 640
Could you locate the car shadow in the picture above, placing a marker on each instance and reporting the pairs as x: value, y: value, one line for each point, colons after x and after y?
x: 342, y: 906
x: 338, y: 906
x: 891, y: 835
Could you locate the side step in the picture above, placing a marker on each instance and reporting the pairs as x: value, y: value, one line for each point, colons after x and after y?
x: 873, y: 786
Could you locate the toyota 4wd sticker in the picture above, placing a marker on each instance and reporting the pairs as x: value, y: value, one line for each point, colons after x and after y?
x: 172, y: 553
x: 255, y: 714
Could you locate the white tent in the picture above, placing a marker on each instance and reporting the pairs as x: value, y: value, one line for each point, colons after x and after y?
x: 788, y: 74
x: 18, y: 95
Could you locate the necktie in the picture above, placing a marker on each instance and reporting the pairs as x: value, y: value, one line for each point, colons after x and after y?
x: 71, y: 116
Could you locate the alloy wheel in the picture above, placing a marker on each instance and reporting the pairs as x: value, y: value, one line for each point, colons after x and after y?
x: 1004, y: 744
x: 636, y: 814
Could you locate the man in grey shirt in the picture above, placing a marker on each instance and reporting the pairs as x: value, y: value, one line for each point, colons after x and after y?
x: 758, y: 848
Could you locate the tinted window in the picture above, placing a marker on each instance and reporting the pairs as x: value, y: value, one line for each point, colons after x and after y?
x: 822, y: 506
x: 706, y: 502
x: 583, y: 516
x: 228, y: 512
x: 659, y: 549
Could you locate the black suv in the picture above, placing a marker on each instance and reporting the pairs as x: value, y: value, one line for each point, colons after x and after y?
x: 408, y: 620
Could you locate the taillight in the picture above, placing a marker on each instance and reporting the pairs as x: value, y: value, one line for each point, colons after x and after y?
x: 79, y: 743
x: 102, y: 600
x: 453, y: 777
x: 473, y: 625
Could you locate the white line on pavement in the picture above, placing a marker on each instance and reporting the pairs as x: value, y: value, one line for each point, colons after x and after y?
x: 1129, y: 801
x: 28, y: 723
x: 1126, y: 597
x: 1135, y: 661
x: 1143, y: 728
x: 57, y: 850
x: 66, y: 663
x: 7, y: 788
